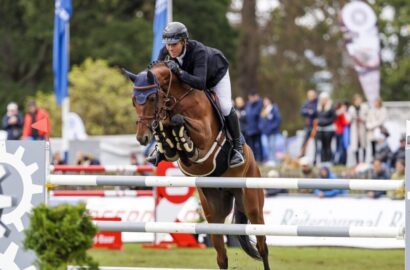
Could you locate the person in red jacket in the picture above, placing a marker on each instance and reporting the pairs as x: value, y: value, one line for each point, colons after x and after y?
x: 341, y: 123
x: 33, y: 115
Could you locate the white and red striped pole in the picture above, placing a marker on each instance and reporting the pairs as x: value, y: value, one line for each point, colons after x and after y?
x: 103, y: 168
x: 101, y: 193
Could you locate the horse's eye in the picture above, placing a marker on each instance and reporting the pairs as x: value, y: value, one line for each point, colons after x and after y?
x: 151, y: 99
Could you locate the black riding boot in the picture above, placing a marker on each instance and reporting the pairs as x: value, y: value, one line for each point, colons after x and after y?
x: 155, y: 157
x: 232, y: 123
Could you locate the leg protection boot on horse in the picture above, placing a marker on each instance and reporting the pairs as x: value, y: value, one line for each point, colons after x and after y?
x: 232, y: 123
x: 165, y: 148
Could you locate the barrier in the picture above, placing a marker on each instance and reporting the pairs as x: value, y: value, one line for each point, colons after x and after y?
x: 103, y: 168
x: 101, y: 193
x: 225, y: 182
x: 12, y: 157
x: 250, y: 229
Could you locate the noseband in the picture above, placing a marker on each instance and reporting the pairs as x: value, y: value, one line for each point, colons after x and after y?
x: 142, y: 93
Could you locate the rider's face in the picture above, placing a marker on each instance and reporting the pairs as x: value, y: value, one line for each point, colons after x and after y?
x: 176, y: 49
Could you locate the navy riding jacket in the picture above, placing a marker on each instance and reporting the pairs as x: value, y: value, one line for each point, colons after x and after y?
x: 203, y: 67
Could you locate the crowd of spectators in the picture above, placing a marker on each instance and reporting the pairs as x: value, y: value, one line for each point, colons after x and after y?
x: 260, y: 121
x: 334, y: 131
x: 18, y: 127
x: 345, y: 127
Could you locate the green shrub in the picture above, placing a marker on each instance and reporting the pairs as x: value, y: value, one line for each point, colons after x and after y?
x: 60, y: 236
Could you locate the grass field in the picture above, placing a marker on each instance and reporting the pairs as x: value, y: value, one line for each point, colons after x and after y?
x: 281, y: 258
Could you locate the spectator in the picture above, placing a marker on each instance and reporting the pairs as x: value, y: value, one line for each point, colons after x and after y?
x: 325, y: 173
x: 241, y: 112
x: 57, y: 159
x: 269, y: 124
x: 357, y: 114
x: 399, y: 174
x: 382, y: 149
x: 307, y: 168
x: 340, y: 125
x: 13, y: 122
x: 326, y: 116
x: 378, y: 173
x: 86, y: 159
x: 33, y: 115
x: 309, y: 113
x: 307, y: 171
x: 400, y: 152
x: 270, y: 192
x: 253, y: 110
x: 375, y: 123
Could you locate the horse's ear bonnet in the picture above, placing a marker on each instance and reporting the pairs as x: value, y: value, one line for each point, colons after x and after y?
x: 150, y: 77
x: 142, y: 89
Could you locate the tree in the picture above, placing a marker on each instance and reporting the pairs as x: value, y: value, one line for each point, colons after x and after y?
x: 207, y: 22
x: 302, y: 48
x: 248, y: 49
x: 118, y: 31
x: 396, y: 40
x: 100, y: 95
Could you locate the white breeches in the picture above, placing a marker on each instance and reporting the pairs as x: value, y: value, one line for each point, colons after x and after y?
x: 223, y: 92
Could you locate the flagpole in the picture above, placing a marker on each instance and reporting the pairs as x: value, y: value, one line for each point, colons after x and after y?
x: 65, y: 107
x: 169, y: 11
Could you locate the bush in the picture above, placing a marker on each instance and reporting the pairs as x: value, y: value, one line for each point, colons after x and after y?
x: 60, y: 236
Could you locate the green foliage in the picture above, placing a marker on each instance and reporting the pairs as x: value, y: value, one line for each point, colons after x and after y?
x: 294, y: 54
x: 118, y: 31
x: 60, y: 236
x: 207, y: 22
x: 25, y: 48
x: 100, y: 95
x: 395, y: 38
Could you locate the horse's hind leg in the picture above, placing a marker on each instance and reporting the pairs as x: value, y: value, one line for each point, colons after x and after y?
x: 216, y: 206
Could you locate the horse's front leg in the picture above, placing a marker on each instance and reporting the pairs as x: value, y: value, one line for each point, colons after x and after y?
x: 183, y: 141
x: 164, y: 142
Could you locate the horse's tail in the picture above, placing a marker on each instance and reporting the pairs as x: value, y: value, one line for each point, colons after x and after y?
x: 246, y: 243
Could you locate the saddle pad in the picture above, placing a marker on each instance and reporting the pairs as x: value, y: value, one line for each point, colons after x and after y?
x: 214, y: 102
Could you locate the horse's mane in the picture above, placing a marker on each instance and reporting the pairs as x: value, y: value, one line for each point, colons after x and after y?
x: 156, y: 63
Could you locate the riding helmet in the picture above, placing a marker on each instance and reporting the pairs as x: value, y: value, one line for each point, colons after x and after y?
x: 174, y: 32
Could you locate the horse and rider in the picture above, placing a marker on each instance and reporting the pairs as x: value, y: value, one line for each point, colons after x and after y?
x: 175, y: 100
x: 201, y: 67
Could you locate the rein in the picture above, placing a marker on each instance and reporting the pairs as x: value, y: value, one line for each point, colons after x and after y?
x: 170, y: 102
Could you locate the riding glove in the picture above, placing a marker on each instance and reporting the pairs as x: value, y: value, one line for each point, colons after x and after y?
x: 174, y: 67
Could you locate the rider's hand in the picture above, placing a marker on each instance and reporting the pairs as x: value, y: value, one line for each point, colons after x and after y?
x: 174, y: 67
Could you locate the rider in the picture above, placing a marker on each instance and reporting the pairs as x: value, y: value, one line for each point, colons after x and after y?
x: 201, y: 67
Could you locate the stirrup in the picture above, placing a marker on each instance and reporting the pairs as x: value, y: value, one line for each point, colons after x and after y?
x: 155, y: 157
x: 237, y: 159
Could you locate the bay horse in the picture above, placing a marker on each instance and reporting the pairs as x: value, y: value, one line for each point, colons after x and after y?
x: 186, y: 128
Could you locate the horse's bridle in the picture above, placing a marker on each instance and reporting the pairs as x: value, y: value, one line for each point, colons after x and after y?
x: 160, y: 113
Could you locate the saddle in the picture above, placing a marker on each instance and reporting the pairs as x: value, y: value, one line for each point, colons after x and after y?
x: 216, y: 162
x: 211, y: 95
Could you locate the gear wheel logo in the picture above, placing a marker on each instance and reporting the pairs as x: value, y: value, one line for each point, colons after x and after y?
x: 15, y: 216
x: 5, y: 202
x: 21, y: 183
x: 8, y: 257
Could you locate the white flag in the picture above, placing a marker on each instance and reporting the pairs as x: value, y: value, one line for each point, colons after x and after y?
x: 363, y: 45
